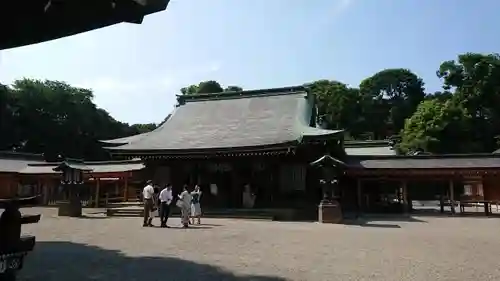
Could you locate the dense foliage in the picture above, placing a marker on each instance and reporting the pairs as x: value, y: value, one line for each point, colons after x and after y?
x: 463, y: 118
x: 57, y: 119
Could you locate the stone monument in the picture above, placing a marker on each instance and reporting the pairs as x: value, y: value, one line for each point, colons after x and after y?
x: 72, y: 179
x: 329, y: 209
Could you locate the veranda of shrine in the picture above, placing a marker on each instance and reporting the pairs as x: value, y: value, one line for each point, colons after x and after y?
x: 266, y: 139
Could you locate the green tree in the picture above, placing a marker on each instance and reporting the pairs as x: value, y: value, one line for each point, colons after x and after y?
x: 208, y: 87
x: 190, y: 90
x: 143, y: 128
x: 437, y: 127
x: 233, y: 89
x: 338, y: 106
x: 475, y: 80
x: 9, y: 131
x: 389, y: 97
x: 55, y: 118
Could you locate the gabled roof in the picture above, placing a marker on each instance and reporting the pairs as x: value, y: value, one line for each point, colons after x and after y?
x: 246, y: 120
x: 27, y: 163
x: 13, y: 162
x: 450, y: 161
x: 367, y: 148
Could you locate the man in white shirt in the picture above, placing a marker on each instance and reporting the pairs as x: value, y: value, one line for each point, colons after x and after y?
x: 165, y: 200
x: 147, y: 196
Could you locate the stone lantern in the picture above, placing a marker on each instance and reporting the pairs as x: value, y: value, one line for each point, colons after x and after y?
x: 329, y: 210
x: 72, y: 180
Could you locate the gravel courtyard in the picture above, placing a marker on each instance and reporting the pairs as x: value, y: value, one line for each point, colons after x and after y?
x: 424, y: 248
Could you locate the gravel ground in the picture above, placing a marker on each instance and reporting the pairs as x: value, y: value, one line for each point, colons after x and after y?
x: 423, y: 248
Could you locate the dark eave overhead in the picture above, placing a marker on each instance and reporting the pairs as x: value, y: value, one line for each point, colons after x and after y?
x: 25, y: 22
x: 243, y: 120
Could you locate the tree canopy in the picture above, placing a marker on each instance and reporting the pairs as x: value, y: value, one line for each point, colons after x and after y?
x: 41, y: 116
x: 55, y: 118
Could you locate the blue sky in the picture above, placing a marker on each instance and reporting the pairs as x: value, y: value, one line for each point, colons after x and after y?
x: 136, y: 70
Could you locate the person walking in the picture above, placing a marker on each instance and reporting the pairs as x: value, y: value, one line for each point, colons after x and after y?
x: 147, y: 197
x: 184, y: 203
x: 165, y: 200
x: 195, y: 204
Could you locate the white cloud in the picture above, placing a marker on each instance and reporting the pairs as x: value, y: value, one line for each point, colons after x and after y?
x: 215, y: 66
x: 337, y: 9
x: 340, y: 6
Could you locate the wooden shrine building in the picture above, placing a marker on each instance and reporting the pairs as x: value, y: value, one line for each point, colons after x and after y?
x: 236, y: 144
x: 379, y: 179
x: 23, y: 174
x: 252, y: 149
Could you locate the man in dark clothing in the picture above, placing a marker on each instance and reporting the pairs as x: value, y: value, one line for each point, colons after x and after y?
x: 165, y: 199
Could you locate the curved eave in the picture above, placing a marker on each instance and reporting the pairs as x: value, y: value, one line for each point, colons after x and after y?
x: 288, y: 146
x: 36, y: 21
x: 317, y: 133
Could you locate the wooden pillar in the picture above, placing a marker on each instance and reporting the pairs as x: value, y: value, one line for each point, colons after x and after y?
x: 45, y: 190
x: 441, y: 199
x: 360, y: 195
x: 452, y: 197
x: 97, y: 187
x: 125, y: 192
x: 404, y: 190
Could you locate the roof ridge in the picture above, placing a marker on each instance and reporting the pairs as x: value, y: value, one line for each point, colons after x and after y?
x: 182, y: 99
x: 14, y: 155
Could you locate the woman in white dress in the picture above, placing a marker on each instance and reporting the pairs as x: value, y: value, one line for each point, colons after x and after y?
x: 195, y: 204
x: 184, y: 203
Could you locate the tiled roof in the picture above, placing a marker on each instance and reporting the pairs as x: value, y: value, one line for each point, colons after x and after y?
x: 357, y: 151
x: 470, y: 161
x: 235, y: 120
x: 369, y: 148
x: 25, y: 163
x: 95, y: 167
x: 125, y: 140
x: 13, y: 162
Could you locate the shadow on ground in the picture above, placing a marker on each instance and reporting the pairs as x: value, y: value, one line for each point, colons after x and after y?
x: 63, y: 261
x: 381, y: 220
x: 391, y: 218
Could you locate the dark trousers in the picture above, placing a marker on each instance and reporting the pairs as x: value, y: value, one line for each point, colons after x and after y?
x: 164, y: 212
x: 148, y: 210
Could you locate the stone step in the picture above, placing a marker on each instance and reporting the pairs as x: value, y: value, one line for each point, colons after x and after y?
x: 129, y: 212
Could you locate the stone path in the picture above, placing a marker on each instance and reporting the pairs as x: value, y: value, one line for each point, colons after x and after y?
x: 105, y: 249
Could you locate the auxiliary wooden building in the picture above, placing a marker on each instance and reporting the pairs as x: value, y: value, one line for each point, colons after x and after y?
x: 24, y: 174
x: 239, y: 146
x: 259, y: 144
